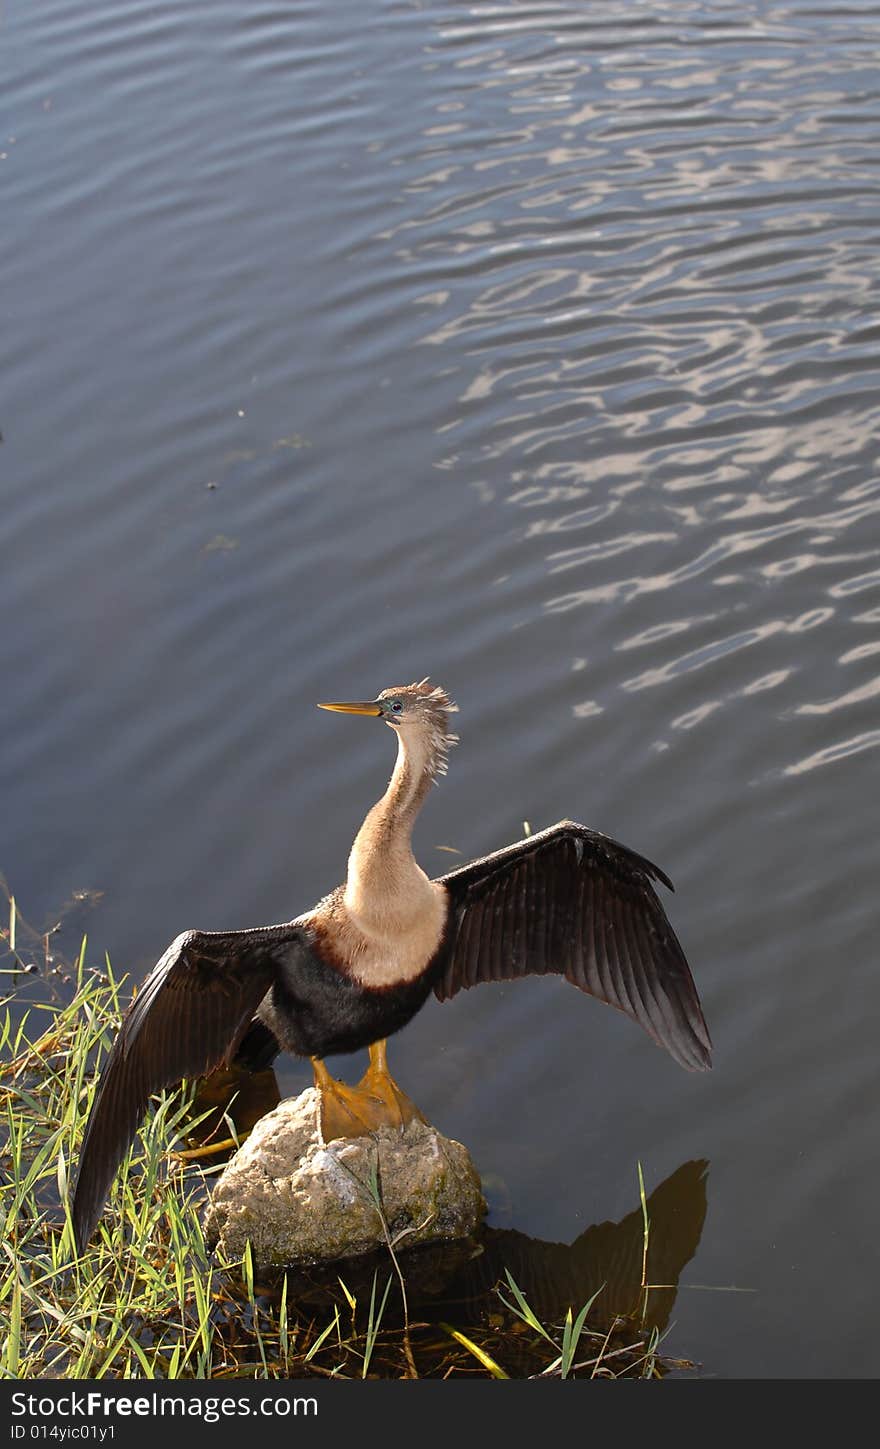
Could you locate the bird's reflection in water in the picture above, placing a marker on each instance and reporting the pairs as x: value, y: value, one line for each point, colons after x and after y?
x: 608, y: 1259
x: 228, y: 1104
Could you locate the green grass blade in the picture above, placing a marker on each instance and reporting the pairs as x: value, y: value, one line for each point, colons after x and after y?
x: 12, y: 1347
x: 571, y: 1334
x: 522, y: 1309
x: 479, y: 1354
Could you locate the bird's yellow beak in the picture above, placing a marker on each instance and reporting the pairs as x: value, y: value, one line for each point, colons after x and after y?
x: 370, y: 708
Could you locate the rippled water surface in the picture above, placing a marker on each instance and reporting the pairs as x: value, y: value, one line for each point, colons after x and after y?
x: 534, y: 346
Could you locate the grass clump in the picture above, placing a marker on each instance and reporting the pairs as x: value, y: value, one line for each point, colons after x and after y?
x: 148, y: 1299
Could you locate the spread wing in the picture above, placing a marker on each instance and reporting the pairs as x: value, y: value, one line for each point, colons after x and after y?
x: 189, y: 1017
x: 572, y: 902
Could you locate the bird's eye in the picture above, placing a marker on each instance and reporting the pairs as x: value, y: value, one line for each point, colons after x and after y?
x: 396, y: 706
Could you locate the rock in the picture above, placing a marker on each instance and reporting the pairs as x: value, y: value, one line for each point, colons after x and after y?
x: 299, y: 1200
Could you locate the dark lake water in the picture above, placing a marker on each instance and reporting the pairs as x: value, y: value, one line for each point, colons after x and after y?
x: 534, y: 346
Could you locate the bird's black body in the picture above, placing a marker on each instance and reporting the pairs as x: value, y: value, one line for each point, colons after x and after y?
x: 315, y: 1010
x: 567, y: 901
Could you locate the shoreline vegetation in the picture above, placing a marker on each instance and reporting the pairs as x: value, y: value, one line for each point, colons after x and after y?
x: 149, y: 1300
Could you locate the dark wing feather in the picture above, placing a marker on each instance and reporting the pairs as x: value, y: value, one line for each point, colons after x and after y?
x: 189, y: 1017
x: 572, y: 902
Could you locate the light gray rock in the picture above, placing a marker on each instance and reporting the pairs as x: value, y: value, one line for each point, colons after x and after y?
x: 298, y: 1200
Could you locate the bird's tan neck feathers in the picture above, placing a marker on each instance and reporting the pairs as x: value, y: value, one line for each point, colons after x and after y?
x: 392, y: 916
x: 381, y: 866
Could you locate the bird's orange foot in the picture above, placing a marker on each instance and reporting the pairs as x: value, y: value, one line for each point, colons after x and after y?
x: 398, y: 1108
x: 375, y: 1102
x: 348, y: 1111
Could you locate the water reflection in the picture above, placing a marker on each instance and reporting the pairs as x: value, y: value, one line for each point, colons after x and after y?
x: 606, y: 1259
x: 227, y: 1105
x: 832, y: 753
x: 458, y: 1280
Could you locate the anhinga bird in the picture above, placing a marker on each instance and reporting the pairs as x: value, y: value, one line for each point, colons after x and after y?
x: 362, y: 962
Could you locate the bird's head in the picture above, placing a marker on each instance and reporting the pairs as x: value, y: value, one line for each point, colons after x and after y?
x: 416, y: 711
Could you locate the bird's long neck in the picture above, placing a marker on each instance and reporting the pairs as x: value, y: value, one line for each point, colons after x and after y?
x: 385, y: 886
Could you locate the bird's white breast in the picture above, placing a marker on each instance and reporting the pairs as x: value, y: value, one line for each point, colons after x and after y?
x: 387, y: 944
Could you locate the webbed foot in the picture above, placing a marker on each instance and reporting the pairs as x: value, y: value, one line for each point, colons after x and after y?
x: 375, y: 1102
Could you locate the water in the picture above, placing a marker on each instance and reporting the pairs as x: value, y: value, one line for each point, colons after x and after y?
x: 534, y: 346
